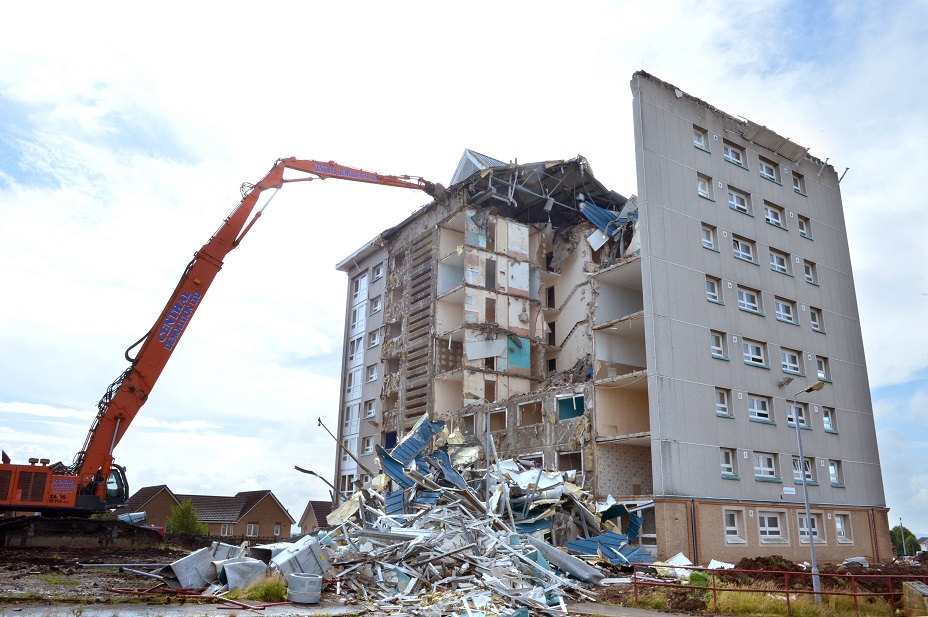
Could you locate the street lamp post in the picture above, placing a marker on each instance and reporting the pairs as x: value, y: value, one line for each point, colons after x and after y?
x: 335, y: 493
x: 902, y: 537
x: 816, y: 582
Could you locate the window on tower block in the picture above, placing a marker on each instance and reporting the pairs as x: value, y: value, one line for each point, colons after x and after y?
x: 704, y: 186
x: 779, y: 261
x: 359, y: 288
x: 769, y: 527
x: 729, y: 462
x: 808, y: 466
x: 773, y: 214
x: 815, y: 318
x: 749, y: 300
x: 829, y: 420
x: 791, y: 361
x: 739, y: 201
x: 569, y: 407
x: 822, y: 370
x: 700, y: 138
x: 759, y: 407
x: 717, y: 345
x: 709, y: 237
x: 805, y: 226
x: 734, y: 526
x: 734, y: 154
x: 743, y: 249
x: 809, y: 269
x: 713, y: 289
x: 816, y: 526
x: 769, y: 170
x: 799, y: 183
x: 797, y: 410
x: 835, y: 474
x: 722, y: 403
x: 754, y: 352
x: 785, y: 310
x: 765, y: 465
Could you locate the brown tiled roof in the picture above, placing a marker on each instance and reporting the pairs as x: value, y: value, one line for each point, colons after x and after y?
x: 216, y: 508
x: 210, y: 508
x: 142, y: 496
x: 319, y: 510
x: 253, y: 497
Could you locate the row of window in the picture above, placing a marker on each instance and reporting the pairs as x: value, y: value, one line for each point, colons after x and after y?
x: 737, y: 155
x: 741, y: 201
x: 755, y: 353
x: 252, y: 530
x: 761, y: 409
x: 569, y: 406
x: 751, y: 300
x: 744, y: 202
x: 766, y: 468
x: 772, y: 526
x: 745, y: 249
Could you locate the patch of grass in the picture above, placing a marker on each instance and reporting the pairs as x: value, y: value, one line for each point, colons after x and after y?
x: 57, y: 579
x: 759, y: 600
x: 15, y: 597
x: 272, y: 588
x: 654, y: 600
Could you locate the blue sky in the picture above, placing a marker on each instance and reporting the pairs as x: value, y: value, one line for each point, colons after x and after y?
x: 125, y: 134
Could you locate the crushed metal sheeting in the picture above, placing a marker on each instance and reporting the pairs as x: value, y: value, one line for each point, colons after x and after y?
x: 434, y: 535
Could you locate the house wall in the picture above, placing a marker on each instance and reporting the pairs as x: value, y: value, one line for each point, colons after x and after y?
x: 266, y: 513
x: 309, y: 523
x: 158, y: 508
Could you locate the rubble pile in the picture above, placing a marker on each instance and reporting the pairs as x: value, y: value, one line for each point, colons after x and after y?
x: 435, y: 535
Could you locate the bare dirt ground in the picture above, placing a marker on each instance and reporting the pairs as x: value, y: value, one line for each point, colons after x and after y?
x: 30, y: 575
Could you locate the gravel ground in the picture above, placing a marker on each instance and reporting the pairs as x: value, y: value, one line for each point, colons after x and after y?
x: 54, y: 574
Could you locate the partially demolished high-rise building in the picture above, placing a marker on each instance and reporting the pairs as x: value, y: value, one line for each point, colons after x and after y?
x: 654, y: 345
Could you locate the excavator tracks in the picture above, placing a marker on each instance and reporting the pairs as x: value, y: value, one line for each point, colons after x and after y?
x: 43, y: 531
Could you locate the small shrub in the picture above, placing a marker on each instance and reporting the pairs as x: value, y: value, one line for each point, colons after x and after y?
x: 185, y: 519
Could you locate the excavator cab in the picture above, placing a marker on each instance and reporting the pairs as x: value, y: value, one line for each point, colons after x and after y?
x: 117, y: 487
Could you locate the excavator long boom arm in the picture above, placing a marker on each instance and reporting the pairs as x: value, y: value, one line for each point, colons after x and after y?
x: 125, y: 397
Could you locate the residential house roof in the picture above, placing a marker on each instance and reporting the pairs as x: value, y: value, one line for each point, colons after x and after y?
x: 223, y: 509
x: 319, y: 510
x: 253, y: 497
x: 137, y: 502
x: 216, y: 508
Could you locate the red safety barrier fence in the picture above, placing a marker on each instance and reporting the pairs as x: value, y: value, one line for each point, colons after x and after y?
x: 794, y: 583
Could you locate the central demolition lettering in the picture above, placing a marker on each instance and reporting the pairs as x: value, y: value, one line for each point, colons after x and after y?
x: 176, y: 319
x: 344, y: 173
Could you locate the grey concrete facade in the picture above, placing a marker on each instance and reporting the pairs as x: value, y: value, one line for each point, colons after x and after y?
x: 765, y: 218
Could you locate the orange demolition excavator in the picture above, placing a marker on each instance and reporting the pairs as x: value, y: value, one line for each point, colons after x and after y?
x: 93, y: 483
